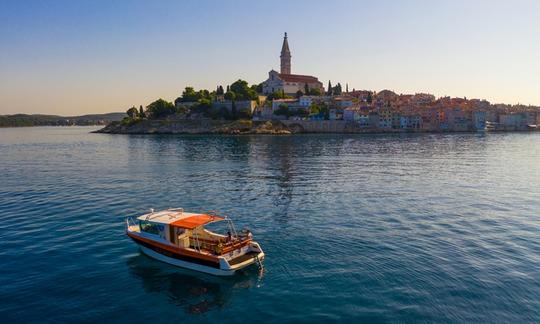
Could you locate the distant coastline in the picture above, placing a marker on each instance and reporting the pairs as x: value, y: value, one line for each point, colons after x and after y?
x: 24, y: 120
x: 251, y: 127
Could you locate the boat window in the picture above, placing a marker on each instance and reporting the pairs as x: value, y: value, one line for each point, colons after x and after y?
x: 149, y: 227
x: 218, y: 227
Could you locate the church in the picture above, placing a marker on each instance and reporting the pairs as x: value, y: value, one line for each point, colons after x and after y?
x: 287, y: 82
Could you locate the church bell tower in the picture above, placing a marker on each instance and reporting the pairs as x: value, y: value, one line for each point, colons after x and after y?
x: 285, y: 57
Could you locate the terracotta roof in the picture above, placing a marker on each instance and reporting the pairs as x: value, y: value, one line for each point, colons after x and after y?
x: 298, y: 78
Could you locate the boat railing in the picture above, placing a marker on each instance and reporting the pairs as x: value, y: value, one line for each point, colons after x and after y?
x: 220, y: 246
x: 131, y: 222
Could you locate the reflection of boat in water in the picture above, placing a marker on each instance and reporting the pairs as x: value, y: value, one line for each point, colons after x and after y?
x: 196, y: 293
x: 179, y: 238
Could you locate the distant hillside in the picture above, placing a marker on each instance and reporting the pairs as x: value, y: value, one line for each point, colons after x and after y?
x: 21, y: 120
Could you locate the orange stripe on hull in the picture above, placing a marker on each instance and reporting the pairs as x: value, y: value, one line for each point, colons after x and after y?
x: 174, y: 249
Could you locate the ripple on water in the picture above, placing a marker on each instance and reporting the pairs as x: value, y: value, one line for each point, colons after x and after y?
x: 373, y: 228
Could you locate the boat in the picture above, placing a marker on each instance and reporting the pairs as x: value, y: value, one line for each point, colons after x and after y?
x: 181, y: 239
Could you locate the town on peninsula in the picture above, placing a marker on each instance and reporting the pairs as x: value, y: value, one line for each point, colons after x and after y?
x: 293, y: 103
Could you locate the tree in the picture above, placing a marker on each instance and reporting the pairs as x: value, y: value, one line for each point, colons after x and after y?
x: 329, y: 92
x: 141, y: 112
x: 243, y: 91
x: 325, y: 111
x: 203, y: 94
x: 220, y: 91
x: 244, y: 114
x: 280, y: 94
x: 314, y: 92
x: 234, y: 113
x: 369, y: 98
x: 132, y: 112
x: 337, y: 89
x: 299, y: 94
x: 189, y: 94
x: 283, y: 110
x: 347, y: 87
x: 314, y: 109
x: 229, y: 95
x: 228, y: 88
x: 160, y: 108
x: 306, y: 88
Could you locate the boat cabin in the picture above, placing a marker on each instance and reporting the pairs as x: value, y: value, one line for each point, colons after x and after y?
x: 187, y: 231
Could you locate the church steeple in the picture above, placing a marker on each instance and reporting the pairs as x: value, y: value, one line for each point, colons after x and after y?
x: 285, y: 57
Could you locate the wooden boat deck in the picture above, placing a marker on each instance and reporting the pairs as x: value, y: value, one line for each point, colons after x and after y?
x: 242, y: 258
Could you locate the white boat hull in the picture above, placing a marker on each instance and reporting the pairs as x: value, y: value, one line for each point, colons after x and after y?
x: 197, y: 267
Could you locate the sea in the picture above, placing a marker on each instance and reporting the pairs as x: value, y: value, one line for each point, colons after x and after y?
x: 363, y: 228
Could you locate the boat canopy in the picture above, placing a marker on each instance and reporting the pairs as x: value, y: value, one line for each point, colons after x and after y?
x: 191, y: 222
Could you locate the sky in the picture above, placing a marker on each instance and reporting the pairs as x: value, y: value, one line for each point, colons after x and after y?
x: 95, y: 56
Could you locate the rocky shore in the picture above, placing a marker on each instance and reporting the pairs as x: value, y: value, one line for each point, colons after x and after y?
x: 200, y: 126
x: 246, y: 127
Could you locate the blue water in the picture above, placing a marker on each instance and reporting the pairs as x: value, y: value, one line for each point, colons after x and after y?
x: 375, y: 228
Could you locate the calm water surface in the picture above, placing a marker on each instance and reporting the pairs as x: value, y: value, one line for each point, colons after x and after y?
x: 373, y: 228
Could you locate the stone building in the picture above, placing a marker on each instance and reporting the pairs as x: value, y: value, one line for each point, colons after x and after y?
x: 286, y: 81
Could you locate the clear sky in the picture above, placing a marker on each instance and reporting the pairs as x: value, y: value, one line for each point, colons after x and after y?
x: 90, y: 56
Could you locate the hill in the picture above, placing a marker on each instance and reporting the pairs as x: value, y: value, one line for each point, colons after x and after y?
x: 22, y: 120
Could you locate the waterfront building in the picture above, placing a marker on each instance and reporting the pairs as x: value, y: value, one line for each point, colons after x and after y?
x: 512, y: 121
x: 342, y: 101
x: 412, y: 122
x: 287, y: 82
x: 479, y: 120
x: 306, y: 101
x: 385, y: 118
x: 351, y: 114
x: 242, y: 105
x: 278, y: 102
x: 335, y: 114
x: 364, y: 120
x: 361, y: 95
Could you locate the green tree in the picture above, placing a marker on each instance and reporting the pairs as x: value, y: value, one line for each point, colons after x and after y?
x: 283, y: 110
x: 280, y: 94
x: 160, y: 108
x: 220, y: 91
x: 369, y: 98
x: 229, y: 95
x: 141, y: 112
x: 337, y: 89
x: 204, y: 94
x: 314, y: 92
x: 132, y: 112
x: 243, y: 91
x: 329, y: 92
x: 306, y: 88
x: 299, y: 94
x: 234, y: 113
x: 189, y: 95
x: 314, y: 109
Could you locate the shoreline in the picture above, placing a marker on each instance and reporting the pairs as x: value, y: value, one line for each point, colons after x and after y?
x: 274, y: 127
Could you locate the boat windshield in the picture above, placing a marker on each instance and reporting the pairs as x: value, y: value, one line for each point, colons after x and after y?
x: 218, y: 228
